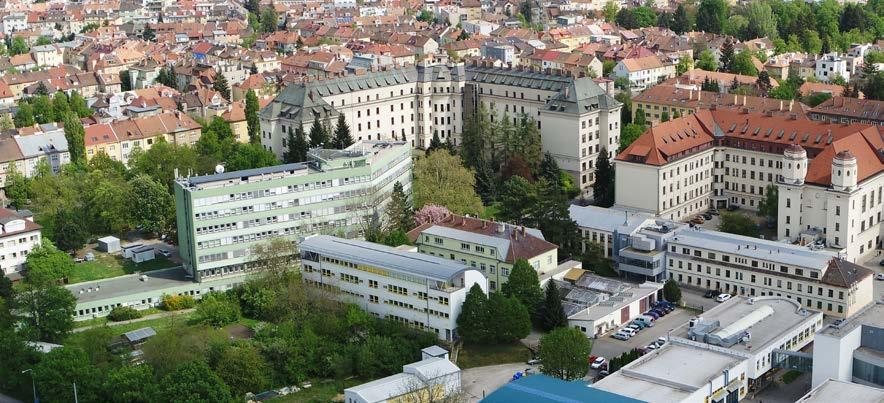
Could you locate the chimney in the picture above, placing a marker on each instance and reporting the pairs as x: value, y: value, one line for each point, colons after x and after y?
x: 744, y: 101
x: 736, y: 102
x: 691, y: 95
x: 699, y: 94
x: 781, y: 105
x: 792, y: 102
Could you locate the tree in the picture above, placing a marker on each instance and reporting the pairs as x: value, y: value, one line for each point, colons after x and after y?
x: 76, y: 137
x: 60, y: 369
x: 707, y: 61
x: 250, y: 156
x: 664, y: 117
x: 511, y: 320
x: 736, y: 223
x: 727, y: 56
x: 874, y: 86
x: 148, y: 34
x: 441, y: 179
x: 684, y: 64
x: 253, y: 6
x: 518, y: 199
x: 18, y: 46
x: 681, y: 23
x: 550, y: 313
x: 769, y: 206
x: 47, y: 265
x: 221, y: 86
x: 473, y: 319
x: 48, y: 312
x: 430, y: 213
x: 16, y: 189
x: 296, y: 147
x: 564, y: 352
x: 243, y: 368
x: 78, y: 105
x: 318, y: 135
x: 60, y: 106
x: 524, y: 286
x: 762, y: 22
x: 671, y: 292
x: 42, y: 109
x: 24, y: 117
x: 425, y: 16
x: 742, y: 64
x: 121, y: 313
x: 603, y: 188
x: 400, y: 212
x: 217, y: 310
x: 155, y: 210
x: 342, y: 139
x: 254, y: 124
x: 712, y: 16
x: 610, y: 11
x: 194, y: 382
x: 435, y: 143
x: 269, y: 19
x: 763, y: 82
x: 68, y: 229
x: 130, y: 384
x: 41, y: 90
x: 629, y: 134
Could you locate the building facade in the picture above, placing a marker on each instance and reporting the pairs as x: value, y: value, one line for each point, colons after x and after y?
x: 19, y: 235
x: 420, y: 291
x: 221, y: 217
x: 491, y: 247
x: 828, y: 176
x: 576, y: 118
x: 850, y: 351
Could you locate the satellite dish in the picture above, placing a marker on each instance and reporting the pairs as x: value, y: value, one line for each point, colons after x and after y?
x: 219, y: 169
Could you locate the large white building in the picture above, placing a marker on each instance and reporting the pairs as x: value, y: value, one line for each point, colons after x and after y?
x: 829, y: 176
x: 852, y: 350
x: 721, y: 356
x: 576, y: 117
x: 431, y: 379
x: 222, y: 217
x: 19, y: 234
x: 832, y: 66
x: 422, y: 291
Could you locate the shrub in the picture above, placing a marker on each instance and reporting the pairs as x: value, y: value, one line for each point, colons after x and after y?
x: 178, y: 302
x: 218, y: 310
x: 122, y: 313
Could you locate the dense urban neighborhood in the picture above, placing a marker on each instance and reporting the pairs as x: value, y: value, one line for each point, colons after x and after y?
x: 421, y: 201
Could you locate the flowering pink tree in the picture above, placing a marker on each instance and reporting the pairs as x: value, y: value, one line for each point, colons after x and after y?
x: 430, y: 213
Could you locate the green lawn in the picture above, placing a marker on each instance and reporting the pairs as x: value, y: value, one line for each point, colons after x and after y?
x: 102, y: 320
x: 320, y: 392
x: 477, y: 355
x: 107, y: 265
x: 158, y: 324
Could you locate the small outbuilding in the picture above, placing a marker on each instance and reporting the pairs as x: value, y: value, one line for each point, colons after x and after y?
x: 109, y: 244
x: 143, y: 254
x: 130, y: 248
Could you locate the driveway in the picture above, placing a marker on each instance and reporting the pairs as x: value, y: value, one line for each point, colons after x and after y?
x: 481, y: 381
x: 609, y: 347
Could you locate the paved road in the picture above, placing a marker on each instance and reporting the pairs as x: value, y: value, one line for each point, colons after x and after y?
x: 608, y: 347
x: 481, y: 381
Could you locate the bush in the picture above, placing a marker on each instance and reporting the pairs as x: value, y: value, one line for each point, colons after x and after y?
x: 671, y: 291
x: 178, y: 302
x: 218, y: 310
x: 122, y: 313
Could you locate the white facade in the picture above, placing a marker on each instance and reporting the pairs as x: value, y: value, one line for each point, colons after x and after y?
x: 13, y: 22
x: 18, y: 236
x: 421, y: 291
x: 841, y: 344
x: 831, y: 66
x: 644, y: 72
x: 428, y: 380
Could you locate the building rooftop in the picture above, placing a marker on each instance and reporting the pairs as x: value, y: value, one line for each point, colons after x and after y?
x: 127, y: 285
x: 414, y: 375
x: 755, y: 248
x: 607, y: 219
x: 546, y: 389
x: 669, y: 374
x: 872, y: 315
x: 839, y: 391
x: 244, y: 175
x: 766, y: 318
x: 383, y: 256
x: 511, y: 242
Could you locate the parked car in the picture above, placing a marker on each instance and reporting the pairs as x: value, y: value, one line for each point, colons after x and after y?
x: 635, y: 328
x: 661, y: 340
x: 638, y: 323
x: 621, y: 336
x: 707, y: 216
x: 603, y: 374
x: 534, y: 361
x: 652, y: 346
x: 881, y: 262
x: 645, y: 320
x: 714, y: 212
x: 164, y: 252
x: 659, y: 311
x: 652, y: 314
x: 712, y: 293
x: 879, y: 276
x: 597, y: 363
x: 698, y: 220
x: 723, y: 297
x: 628, y: 330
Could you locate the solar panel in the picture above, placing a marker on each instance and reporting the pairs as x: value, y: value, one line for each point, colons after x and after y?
x: 140, y: 334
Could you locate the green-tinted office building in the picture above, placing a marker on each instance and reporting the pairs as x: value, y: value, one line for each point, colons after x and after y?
x: 222, y: 217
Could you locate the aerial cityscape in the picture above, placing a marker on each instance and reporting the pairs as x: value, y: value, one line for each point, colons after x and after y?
x: 421, y: 201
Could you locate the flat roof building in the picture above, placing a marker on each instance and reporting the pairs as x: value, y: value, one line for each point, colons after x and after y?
x: 840, y: 391
x: 222, y: 217
x: 418, y: 290
x: 430, y: 379
x: 852, y: 350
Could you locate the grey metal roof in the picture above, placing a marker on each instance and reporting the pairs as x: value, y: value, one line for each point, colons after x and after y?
x: 754, y: 248
x: 196, y: 180
x: 606, y: 219
x: 501, y: 245
x: 362, y: 252
x: 42, y: 143
x: 140, y: 334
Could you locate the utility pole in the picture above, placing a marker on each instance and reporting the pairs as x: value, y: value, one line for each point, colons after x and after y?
x: 75, y: 393
x: 33, y: 385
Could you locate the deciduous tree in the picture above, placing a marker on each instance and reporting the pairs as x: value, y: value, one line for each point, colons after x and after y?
x: 441, y: 179
x: 564, y: 352
x: 194, y: 382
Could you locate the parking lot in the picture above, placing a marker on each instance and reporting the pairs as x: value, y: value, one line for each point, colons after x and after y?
x: 609, y: 347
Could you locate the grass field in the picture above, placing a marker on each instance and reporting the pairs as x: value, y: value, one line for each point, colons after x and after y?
x: 320, y: 392
x: 472, y: 355
x: 158, y: 324
x: 102, y: 320
x: 107, y: 266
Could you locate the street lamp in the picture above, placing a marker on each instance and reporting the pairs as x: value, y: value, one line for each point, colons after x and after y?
x: 33, y: 385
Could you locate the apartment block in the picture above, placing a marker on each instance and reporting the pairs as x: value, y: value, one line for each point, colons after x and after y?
x: 19, y: 234
x: 491, y: 247
x: 829, y: 176
x: 425, y: 292
x: 120, y: 138
x: 222, y: 217
x: 575, y: 116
